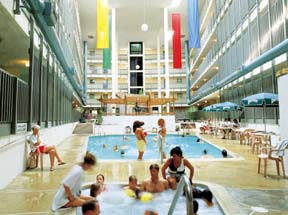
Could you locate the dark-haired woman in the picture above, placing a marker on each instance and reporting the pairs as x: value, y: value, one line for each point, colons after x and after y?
x: 176, y: 167
x: 140, y: 138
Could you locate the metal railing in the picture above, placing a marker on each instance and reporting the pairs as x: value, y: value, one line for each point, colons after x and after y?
x: 186, y: 185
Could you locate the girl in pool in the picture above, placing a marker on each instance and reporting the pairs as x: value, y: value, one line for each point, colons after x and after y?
x: 95, y: 190
x: 140, y: 136
x: 162, y: 136
x: 100, y: 180
x: 176, y: 167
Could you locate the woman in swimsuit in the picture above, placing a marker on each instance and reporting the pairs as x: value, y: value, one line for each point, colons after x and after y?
x: 140, y: 136
x: 176, y: 167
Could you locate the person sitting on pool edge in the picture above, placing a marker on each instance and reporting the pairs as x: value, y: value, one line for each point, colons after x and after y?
x: 69, y: 193
x: 176, y: 167
x: 132, y: 186
x: 153, y: 184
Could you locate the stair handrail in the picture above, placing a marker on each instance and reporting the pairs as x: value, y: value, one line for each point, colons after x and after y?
x: 184, y: 183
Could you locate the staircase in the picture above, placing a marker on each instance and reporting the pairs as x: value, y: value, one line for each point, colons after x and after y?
x: 83, y: 128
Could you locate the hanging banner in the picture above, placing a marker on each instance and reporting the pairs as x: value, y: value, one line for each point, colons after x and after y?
x: 102, y: 24
x: 176, y: 27
x: 193, y: 24
x: 107, y: 51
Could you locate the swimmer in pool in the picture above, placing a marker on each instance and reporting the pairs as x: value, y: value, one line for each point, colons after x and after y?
x: 115, y: 148
x: 133, y: 187
x: 205, y: 154
x: 149, y: 212
x: 153, y: 184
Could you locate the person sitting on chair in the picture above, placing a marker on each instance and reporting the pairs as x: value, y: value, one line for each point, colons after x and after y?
x: 37, y: 146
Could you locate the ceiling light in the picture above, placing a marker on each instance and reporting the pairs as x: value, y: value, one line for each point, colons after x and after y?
x: 144, y: 27
x: 27, y: 64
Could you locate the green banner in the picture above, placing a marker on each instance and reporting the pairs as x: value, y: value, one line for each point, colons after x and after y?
x: 107, y: 51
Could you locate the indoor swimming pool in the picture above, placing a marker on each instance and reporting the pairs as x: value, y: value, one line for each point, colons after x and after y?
x: 115, y: 201
x: 123, y: 147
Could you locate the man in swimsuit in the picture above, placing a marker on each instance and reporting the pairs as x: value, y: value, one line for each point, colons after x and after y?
x: 153, y: 184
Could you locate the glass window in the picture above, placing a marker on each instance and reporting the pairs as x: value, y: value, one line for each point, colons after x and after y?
x: 136, y: 47
x: 136, y: 63
x: 136, y: 79
x: 179, y: 95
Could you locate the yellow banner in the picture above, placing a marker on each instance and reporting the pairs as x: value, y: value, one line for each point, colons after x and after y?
x: 102, y: 24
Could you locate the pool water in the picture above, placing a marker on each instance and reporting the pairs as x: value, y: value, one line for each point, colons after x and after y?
x: 123, y: 147
x: 115, y: 201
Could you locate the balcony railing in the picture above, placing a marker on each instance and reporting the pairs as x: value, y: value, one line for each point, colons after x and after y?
x: 93, y: 102
x: 207, y: 86
x: 99, y: 88
x: 123, y: 86
x: 206, y: 65
x: 97, y: 71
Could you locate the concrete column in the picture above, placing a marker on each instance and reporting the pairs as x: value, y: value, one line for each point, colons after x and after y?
x: 166, y: 60
x: 283, y: 104
x: 114, y: 55
x: 85, y: 68
x: 159, y: 71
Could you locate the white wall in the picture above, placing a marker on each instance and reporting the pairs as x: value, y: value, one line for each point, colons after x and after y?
x: 283, y: 104
x: 13, y: 150
x: 117, y: 124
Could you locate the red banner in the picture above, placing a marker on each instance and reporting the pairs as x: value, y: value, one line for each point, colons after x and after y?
x: 176, y: 27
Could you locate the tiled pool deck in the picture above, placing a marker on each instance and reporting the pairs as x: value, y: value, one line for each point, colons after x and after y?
x: 235, y: 183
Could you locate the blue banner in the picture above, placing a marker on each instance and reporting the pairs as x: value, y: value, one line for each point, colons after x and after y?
x: 193, y: 24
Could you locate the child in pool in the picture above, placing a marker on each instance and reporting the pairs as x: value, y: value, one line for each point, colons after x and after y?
x: 149, y: 212
x: 100, y: 180
x: 115, y: 148
x: 132, y: 190
x: 95, y: 190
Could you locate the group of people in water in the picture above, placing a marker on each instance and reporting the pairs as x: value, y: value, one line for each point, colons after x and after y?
x: 69, y: 193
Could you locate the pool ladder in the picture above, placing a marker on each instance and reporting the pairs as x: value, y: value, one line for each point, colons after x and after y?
x: 184, y: 183
x: 100, y: 131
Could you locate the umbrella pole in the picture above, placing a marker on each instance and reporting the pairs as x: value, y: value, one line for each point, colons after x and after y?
x: 264, y: 116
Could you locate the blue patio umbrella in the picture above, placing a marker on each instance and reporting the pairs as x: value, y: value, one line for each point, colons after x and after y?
x: 261, y: 100
x: 209, y: 108
x: 227, y: 106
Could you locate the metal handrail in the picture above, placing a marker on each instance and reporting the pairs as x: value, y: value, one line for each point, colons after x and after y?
x: 184, y: 183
